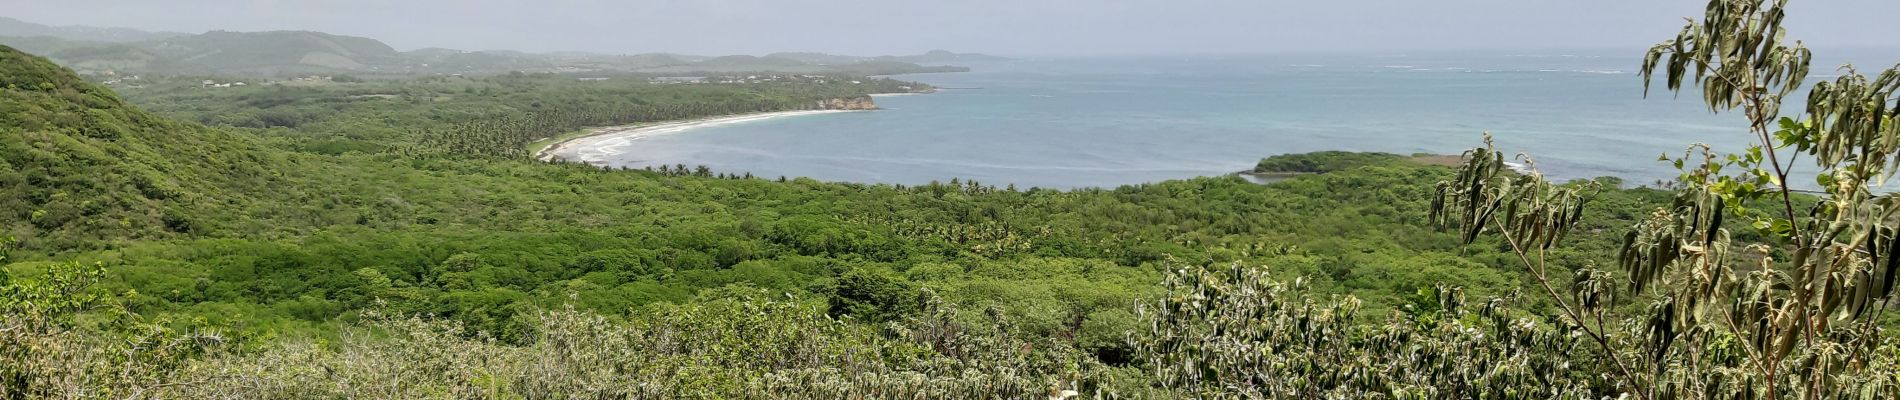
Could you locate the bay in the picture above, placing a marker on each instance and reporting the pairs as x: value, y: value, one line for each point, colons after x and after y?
x: 1105, y: 122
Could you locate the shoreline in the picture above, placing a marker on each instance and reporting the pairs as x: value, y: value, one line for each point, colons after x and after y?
x: 613, y: 137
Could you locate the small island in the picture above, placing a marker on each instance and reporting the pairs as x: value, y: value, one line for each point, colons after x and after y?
x: 1281, y: 167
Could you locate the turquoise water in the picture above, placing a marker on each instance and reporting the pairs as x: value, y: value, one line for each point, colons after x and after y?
x: 1107, y: 122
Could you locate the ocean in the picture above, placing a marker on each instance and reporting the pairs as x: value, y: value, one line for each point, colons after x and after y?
x: 1106, y: 122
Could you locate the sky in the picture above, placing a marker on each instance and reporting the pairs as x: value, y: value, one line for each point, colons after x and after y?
x: 1006, y: 27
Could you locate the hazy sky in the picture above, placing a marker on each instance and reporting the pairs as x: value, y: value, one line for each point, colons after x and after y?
x: 1010, y: 27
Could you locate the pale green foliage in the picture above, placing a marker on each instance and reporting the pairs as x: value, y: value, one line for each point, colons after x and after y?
x: 742, y: 345
x: 43, y: 354
x: 1487, y: 192
x: 1235, y: 333
x: 1724, y: 322
x: 396, y: 357
x: 1738, y: 49
x: 726, y: 348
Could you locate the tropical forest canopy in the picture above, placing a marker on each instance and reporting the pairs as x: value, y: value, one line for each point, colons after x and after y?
x: 395, y: 238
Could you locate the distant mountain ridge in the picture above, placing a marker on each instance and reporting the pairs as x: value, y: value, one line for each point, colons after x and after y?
x: 286, y: 53
x: 267, y: 51
x: 14, y: 27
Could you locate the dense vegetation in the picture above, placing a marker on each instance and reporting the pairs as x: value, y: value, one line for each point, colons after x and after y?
x: 1322, y: 162
x: 648, y: 234
x: 487, y: 243
x: 216, y: 257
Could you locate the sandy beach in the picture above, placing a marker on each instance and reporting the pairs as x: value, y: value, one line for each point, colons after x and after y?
x: 601, y: 143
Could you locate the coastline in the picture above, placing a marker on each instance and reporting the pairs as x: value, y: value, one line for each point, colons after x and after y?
x: 614, y: 137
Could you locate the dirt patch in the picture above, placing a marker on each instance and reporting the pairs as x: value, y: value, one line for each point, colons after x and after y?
x: 1438, y: 159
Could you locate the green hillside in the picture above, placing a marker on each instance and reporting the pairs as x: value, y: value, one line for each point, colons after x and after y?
x: 81, y: 165
x: 89, y: 171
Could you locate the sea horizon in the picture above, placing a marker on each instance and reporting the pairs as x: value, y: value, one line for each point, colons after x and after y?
x: 1110, y: 121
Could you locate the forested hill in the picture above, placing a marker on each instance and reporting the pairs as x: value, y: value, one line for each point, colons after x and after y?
x: 81, y: 166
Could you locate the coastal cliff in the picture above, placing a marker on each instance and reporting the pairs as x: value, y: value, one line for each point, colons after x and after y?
x: 849, y: 103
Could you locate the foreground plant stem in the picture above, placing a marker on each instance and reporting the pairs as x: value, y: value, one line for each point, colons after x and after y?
x: 1543, y: 280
